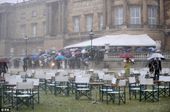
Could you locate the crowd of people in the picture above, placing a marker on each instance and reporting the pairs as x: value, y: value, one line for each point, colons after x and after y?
x: 67, y: 58
x: 75, y: 59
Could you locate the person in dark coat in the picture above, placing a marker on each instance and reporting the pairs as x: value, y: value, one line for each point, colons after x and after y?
x: 151, y: 66
x: 157, y: 67
x: 0, y: 68
x: 3, y: 68
x: 25, y: 64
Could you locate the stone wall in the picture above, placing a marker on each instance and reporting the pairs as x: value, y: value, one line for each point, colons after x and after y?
x: 82, y: 8
x: 26, y: 15
x: 167, y: 23
x: 21, y: 18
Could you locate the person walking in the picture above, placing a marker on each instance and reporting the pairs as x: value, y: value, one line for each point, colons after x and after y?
x: 0, y: 69
x: 25, y: 64
x: 127, y: 66
x: 3, y: 68
x: 157, y: 68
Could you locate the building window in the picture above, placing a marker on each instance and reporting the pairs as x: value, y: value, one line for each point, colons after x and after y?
x: 23, y: 30
x: 101, y: 22
x: 44, y: 28
x: 22, y: 52
x: 152, y: 15
x: 12, y: 51
x: 23, y: 15
x: 34, y: 29
x: 76, y: 24
x: 118, y: 16
x: 135, y: 15
x: 34, y: 13
x: 89, y: 22
x: 44, y: 12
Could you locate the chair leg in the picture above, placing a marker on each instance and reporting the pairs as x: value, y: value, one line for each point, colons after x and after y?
x: 140, y: 96
x: 119, y: 98
x: 124, y: 97
x: 38, y: 95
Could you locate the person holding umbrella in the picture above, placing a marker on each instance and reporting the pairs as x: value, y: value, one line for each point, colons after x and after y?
x: 59, y: 60
x: 127, y: 66
x: 155, y: 65
x: 127, y: 62
x: 158, y: 68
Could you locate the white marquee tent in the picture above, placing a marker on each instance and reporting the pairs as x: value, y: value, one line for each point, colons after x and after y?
x: 118, y: 40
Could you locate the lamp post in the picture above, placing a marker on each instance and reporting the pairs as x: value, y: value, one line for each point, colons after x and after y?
x: 25, y: 59
x: 91, y: 34
x: 26, y: 42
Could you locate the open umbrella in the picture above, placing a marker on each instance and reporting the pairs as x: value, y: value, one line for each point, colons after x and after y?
x: 152, y: 49
x: 34, y: 57
x: 4, y: 60
x: 60, y: 57
x: 156, y: 55
x: 126, y: 55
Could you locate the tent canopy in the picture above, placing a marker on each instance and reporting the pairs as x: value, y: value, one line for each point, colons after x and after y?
x: 118, y: 40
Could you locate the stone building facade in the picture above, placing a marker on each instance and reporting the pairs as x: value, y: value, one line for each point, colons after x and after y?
x: 35, y: 25
x: 167, y: 23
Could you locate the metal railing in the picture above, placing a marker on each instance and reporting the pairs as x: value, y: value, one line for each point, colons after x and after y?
x: 136, y: 56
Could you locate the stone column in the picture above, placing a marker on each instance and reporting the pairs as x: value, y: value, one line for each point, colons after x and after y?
x: 96, y: 21
x: 62, y: 16
x: 161, y: 3
x: 65, y: 14
x: 49, y: 12
x: 59, y: 16
x: 126, y: 20
x: 3, y: 25
x: 109, y: 13
x: 104, y: 14
x: 145, y: 13
x: 83, y: 25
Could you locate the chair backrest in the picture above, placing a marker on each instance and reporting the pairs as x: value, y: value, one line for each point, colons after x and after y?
x: 143, y: 72
x: 101, y: 74
x: 108, y: 77
x: 61, y: 78
x: 146, y: 81
x: 71, y: 75
x: 86, y: 75
x: 53, y: 73
x: 114, y: 80
x: 132, y: 70
x: 122, y: 83
x: 132, y: 80
x: 13, y: 79
x: 40, y: 75
x: 165, y: 70
x: 164, y: 78
x: 141, y: 77
x: 22, y: 73
x: 48, y: 76
x: 105, y: 70
x: 24, y: 85
x: 35, y: 81
x: 82, y: 79
x: 63, y: 73
x: 122, y: 71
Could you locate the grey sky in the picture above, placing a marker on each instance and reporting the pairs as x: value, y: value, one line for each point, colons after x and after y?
x: 11, y: 1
